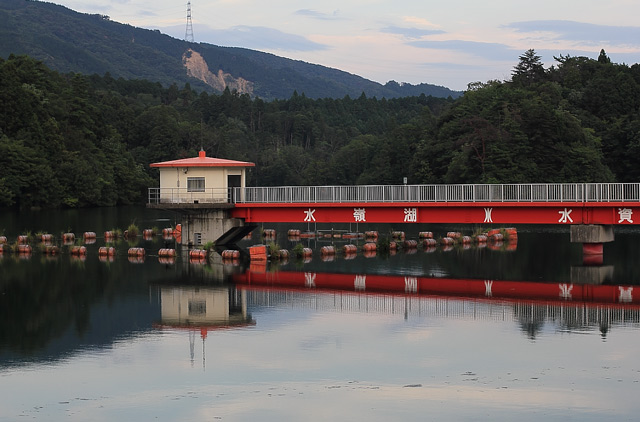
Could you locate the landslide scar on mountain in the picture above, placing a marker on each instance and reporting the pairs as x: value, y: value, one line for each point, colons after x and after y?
x: 197, y: 68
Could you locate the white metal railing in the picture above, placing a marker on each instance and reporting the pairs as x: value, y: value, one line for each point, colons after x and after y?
x: 535, y: 192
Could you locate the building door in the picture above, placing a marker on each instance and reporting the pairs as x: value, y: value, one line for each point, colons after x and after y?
x: 233, y: 181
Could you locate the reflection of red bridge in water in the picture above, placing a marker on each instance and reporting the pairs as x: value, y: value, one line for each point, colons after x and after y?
x: 567, y: 293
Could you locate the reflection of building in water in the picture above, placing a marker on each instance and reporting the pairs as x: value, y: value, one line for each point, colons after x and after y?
x: 530, y: 315
x: 203, y: 307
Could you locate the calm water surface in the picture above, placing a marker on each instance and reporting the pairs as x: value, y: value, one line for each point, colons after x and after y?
x: 464, y: 334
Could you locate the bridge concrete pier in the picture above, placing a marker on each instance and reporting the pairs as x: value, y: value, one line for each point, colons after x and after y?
x: 592, y: 237
x: 202, y: 223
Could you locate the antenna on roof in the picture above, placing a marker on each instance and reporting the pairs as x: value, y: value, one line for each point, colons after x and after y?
x: 188, y: 34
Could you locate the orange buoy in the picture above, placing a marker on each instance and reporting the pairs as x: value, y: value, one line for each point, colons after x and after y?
x: 136, y: 252
x: 24, y: 249
x: 68, y: 237
x: 425, y: 235
x: 198, y: 254
x: 178, y: 230
x: 496, y: 237
x: 429, y: 243
x: 481, y: 238
x: 371, y: 235
x: 447, y: 241
x: 466, y: 240
x: 349, y: 249
x: 23, y: 239
x: 78, y: 251
x: 106, y: 251
x: 307, y: 252
x: 3, y: 240
x: 89, y: 235
x: 410, y: 244
x: 109, y: 235
x: 308, y: 235
x: 230, y: 254
x: 269, y: 233
x: 167, y: 232
x: 167, y: 252
x: 293, y: 233
x: 283, y: 254
x: 492, y: 232
x: 397, y: 235
x: 454, y: 235
x: 327, y: 250
x: 46, y: 238
x: 369, y: 246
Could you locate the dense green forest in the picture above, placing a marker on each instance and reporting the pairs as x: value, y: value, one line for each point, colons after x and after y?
x: 71, y: 140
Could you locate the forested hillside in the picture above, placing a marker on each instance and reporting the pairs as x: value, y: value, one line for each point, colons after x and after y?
x: 74, y: 140
x: 68, y: 41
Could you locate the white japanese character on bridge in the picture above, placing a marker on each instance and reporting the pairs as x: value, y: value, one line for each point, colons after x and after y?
x: 487, y: 215
x: 360, y: 282
x: 625, y: 215
x: 308, y: 215
x: 411, y: 285
x: 359, y: 214
x: 488, y: 284
x: 410, y: 215
x: 626, y: 294
x: 310, y: 280
x: 565, y: 216
x: 565, y: 291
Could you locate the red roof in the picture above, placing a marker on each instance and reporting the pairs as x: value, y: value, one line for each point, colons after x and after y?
x: 203, y: 161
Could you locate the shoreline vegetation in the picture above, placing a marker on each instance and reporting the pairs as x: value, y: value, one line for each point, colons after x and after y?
x: 69, y: 140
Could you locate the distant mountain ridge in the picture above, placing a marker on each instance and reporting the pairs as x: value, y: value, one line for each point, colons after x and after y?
x: 68, y: 41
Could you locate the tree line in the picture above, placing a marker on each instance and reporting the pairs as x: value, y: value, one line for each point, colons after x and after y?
x: 68, y: 140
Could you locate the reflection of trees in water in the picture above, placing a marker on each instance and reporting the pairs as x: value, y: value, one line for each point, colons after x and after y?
x: 532, y: 317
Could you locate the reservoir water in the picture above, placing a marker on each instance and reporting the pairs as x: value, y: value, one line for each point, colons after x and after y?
x: 479, y: 333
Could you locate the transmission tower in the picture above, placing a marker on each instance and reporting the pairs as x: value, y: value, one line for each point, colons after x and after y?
x: 188, y: 34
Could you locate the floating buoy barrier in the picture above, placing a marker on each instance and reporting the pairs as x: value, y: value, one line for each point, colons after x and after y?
x: 167, y: 232
x: 307, y: 235
x: 349, y: 249
x: 135, y: 252
x: 197, y: 254
x: 51, y: 250
x: 307, y: 253
x: 68, y: 237
x: 410, y: 244
x: 106, y: 251
x: 429, y: 243
x: 147, y: 233
x: 46, y: 238
x: 369, y: 246
x: 109, y: 235
x: 466, y: 240
x: 283, y: 254
x: 454, y: 235
x: 371, y: 235
x: 397, y: 235
x: 230, y: 254
x: 89, y: 235
x: 327, y: 250
x: 3, y: 240
x: 269, y: 233
x: 258, y: 253
x: 425, y: 235
x: 293, y: 233
x: 78, y: 251
x: 447, y: 241
x: 23, y: 239
x: 481, y: 238
x: 167, y: 252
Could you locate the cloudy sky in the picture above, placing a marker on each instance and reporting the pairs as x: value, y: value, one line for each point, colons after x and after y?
x: 449, y: 43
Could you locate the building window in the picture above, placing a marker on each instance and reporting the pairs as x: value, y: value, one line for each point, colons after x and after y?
x: 197, y: 307
x: 197, y: 238
x: 195, y: 184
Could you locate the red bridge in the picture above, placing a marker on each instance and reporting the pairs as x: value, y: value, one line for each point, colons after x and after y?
x: 577, y: 204
x: 606, y: 204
